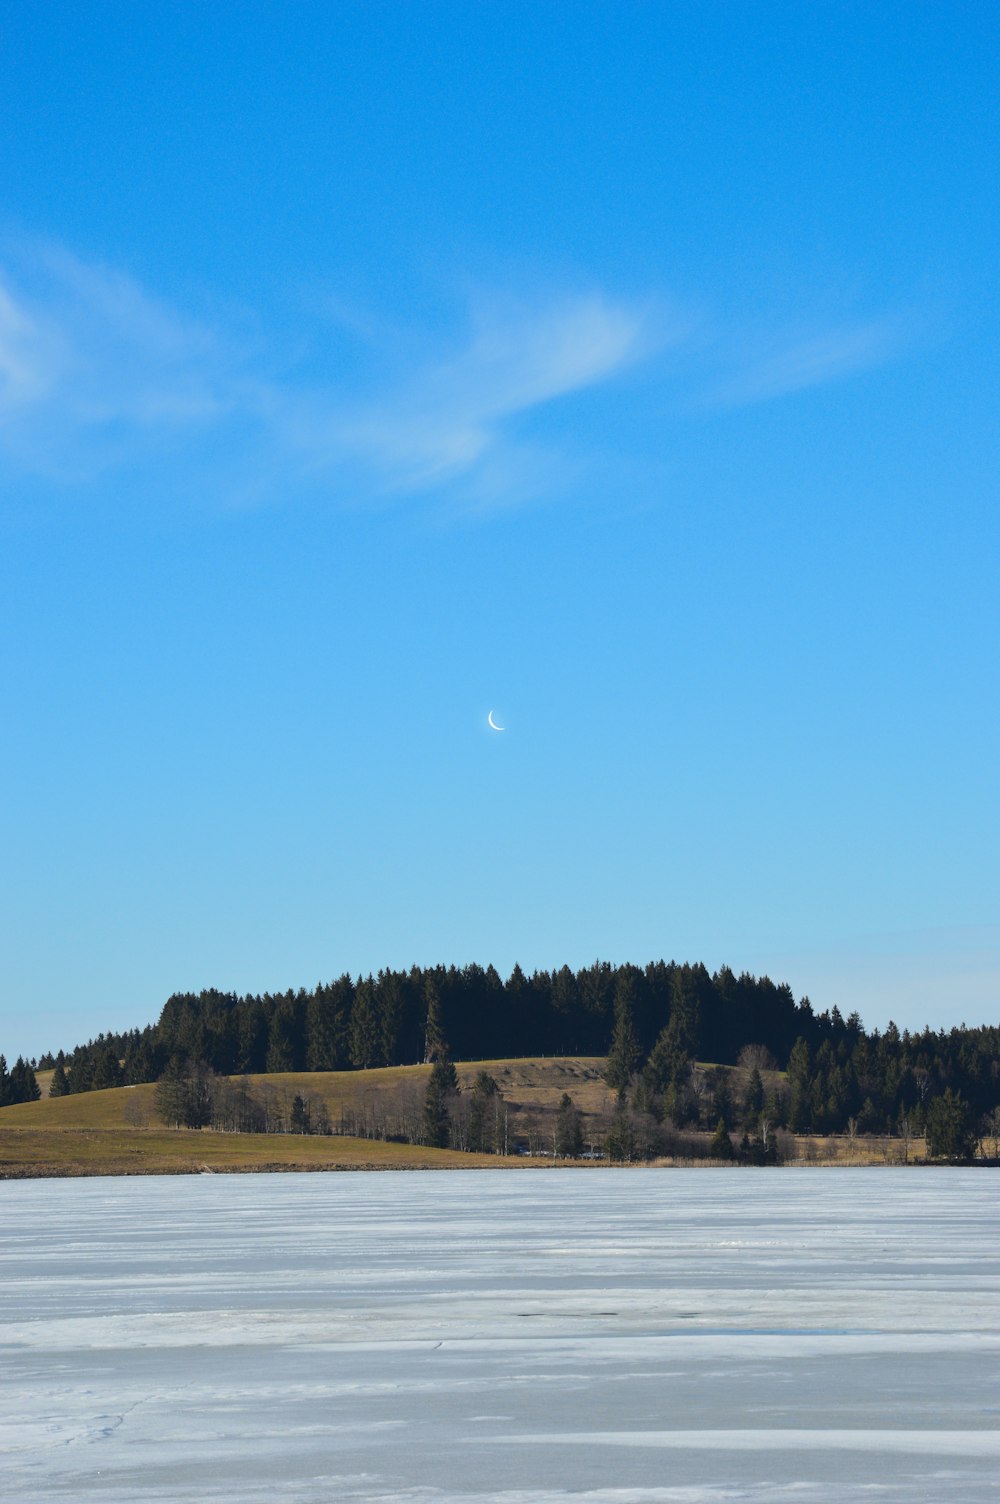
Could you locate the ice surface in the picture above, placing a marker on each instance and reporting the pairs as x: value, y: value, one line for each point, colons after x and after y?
x: 610, y: 1337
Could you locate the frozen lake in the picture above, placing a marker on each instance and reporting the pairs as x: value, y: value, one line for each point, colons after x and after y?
x: 662, y: 1337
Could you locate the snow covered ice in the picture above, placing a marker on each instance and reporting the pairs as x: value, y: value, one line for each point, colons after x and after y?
x: 603, y: 1336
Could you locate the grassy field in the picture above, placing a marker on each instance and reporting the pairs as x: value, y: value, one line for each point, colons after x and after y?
x: 184, y: 1151
x: 117, y: 1132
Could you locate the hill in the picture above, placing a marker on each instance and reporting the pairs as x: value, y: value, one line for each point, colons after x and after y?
x: 117, y: 1131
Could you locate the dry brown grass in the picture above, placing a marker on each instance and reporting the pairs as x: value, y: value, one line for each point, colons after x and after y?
x: 185, y: 1151
x: 865, y: 1149
x: 117, y: 1132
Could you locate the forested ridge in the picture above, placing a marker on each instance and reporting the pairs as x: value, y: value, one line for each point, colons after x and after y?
x: 657, y: 1025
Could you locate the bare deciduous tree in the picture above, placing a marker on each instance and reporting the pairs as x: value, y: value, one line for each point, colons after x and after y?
x: 756, y: 1057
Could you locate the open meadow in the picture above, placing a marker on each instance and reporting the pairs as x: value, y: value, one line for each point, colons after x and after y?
x: 118, y: 1132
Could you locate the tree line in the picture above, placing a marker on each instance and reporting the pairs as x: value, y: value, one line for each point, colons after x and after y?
x: 19, y: 1084
x: 658, y: 1025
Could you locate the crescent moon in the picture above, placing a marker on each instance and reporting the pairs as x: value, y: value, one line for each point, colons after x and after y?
x: 493, y: 723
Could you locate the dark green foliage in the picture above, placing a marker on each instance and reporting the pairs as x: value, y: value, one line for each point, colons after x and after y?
x: 107, y: 1071
x: 249, y: 1027
x: 485, y: 1123
x: 950, y: 1131
x: 442, y: 1088
x: 653, y: 1023
x: 624, y: 1055
x: 58, y: 1086
x: 364, y: 1027
x: 328, y: 1016
x: 622, y: 1144
x: 142, y: 1061
x: 722, y: 1100
x: 435, y: 1044
x: 19, y: 1085
x: 183, y: 1096
x: 762, y: 1149
x: 753, y: 1097
x: 721, y: 1146
x: 569, y: 1130
x: 286, y: 1049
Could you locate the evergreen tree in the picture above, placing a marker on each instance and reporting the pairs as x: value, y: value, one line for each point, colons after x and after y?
x: 390, y: 1011
x: 140, y: 1062
x: 170, y: 1096
x: 58, y: 1086
x: 753, y: 1097
x: 722, y: 1101
x: 281, y: 1040
x: 569, y: 1130
x: 251, y: 1035
x: 435, y: 1044
x: 106, y: 1071
x: 184, y: 1094
x: 328, y: 1017
x: 24, y: 1083
x: 442, y: 1087
x: 950, y: 1131
x: 668, y: 1061
x: 685, y: 1010
x: 620, y: 1144
x: 721, y: 1146
x: 364, y: 1027
x: 483, y: 1102
x: 800, y: 1087
x: 623, y: 1057
x: 300, y: 1114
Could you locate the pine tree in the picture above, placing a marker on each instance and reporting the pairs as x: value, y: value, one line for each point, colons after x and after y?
x: 483, y: 1102
x: 620, y: 1144
x: 170, y: 1097
x: 950, y: 1132
x: 23, y: 1085
x: 281, y: 1040
x: 685, y: 1010
x: 623, y: 1057
x: 721, y: 1146
x: 442, y: 1085
x: 328, y: 1016
x: 753, y: 1097
x: 58, y: 1086
x: 569, y: 1130
x: 251, y: 1035
x: 364, y: 1027
x: 800, y: 1087
x: 435, y: 1044
x: 107, y: 1071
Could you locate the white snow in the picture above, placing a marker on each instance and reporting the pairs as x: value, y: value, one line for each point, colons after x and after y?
x: 600, y: 1336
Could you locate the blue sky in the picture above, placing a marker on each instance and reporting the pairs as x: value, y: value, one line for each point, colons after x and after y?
x: 628, y: 370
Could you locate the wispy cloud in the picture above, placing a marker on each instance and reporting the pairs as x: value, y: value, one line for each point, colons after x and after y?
x: 93, y: 370
x: 91, y: 365
x: 794, y: 360
x: 455, y: 418
x: 96, y: 372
